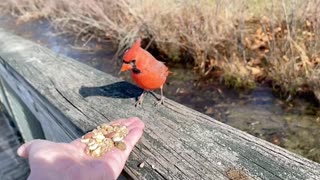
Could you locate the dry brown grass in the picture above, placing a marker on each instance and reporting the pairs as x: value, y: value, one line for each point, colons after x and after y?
x: 246, y: 39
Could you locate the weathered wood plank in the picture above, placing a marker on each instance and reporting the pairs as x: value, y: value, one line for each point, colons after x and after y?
x: 178, y: 143
x: 28, y: 125
x: 4, y: 98
x: 11, y: 166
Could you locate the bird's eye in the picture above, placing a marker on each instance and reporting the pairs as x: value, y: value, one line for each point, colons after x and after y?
x: 133, y: 62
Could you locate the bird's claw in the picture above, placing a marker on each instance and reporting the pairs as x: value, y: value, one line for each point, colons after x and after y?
x: 161, y: 101
x: 140, y: 99
x: 138, y: 103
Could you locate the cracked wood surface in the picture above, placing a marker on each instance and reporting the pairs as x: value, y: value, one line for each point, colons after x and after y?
x: 70, y: 98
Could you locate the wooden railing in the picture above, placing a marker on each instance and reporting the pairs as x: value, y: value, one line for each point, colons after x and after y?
x: 58, y: 98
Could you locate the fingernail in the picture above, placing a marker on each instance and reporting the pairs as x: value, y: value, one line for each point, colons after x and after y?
x: 20, y: 151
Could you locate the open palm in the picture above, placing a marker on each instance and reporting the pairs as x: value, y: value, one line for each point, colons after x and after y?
x: 50, y: 160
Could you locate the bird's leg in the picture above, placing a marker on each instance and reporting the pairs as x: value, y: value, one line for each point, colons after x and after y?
x: 161, y: 101
x: 140, y: 99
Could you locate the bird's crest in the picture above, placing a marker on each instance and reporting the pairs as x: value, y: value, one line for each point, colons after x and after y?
x: 130, y: 54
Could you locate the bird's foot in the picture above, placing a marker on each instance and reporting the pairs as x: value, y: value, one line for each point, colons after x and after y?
x: 161, y: 101
x: 138, y: 103
x: 140, y: 100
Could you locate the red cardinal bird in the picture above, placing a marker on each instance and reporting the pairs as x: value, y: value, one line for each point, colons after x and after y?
x: 146, y: 71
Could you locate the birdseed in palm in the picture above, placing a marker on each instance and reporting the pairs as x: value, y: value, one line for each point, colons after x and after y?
x: 102, y: 139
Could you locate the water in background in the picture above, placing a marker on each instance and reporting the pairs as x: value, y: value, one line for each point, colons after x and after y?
x: 294, y: 126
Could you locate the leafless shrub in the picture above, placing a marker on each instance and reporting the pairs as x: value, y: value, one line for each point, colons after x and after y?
x: 246, y: 39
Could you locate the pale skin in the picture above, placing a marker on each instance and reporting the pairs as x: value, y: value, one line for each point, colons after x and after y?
x: 67, y: 161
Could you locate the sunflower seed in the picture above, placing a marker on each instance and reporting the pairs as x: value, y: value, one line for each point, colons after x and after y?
x: 120, y: 145
x: 102, y: 139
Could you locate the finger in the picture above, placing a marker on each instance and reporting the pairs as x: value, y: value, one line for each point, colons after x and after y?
x: 116, y: 158
x: 127, y: 122
x: 78, y: 144
x: 136, y: 122
x: 132, y: 138
x: 135, y: 127
x: 23, y: 150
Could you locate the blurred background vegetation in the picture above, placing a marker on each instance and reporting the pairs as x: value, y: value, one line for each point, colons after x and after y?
x: 239, y: 43
x: 244, y: 41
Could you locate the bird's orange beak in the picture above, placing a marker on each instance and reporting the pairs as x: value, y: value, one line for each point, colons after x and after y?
x: 125, y: 67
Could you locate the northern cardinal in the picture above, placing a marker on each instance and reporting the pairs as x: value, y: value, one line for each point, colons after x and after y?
x: 146, y: 71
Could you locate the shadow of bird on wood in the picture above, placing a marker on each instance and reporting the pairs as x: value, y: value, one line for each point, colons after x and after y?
x: 115, y: 90
x: 120, y: 89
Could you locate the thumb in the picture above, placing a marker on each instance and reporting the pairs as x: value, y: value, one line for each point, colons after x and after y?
x: 23, y: 150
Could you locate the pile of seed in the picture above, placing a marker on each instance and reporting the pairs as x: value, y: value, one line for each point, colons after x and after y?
x: 102, y: 139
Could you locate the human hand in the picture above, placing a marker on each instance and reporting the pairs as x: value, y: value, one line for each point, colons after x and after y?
x: 50, y: 160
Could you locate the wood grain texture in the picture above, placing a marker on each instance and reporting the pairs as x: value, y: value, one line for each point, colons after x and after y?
x: 25, y: 121
x: 11, y: 165
x: 70, y: 98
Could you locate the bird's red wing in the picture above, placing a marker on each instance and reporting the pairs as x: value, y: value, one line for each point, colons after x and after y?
x: 152, y: 76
